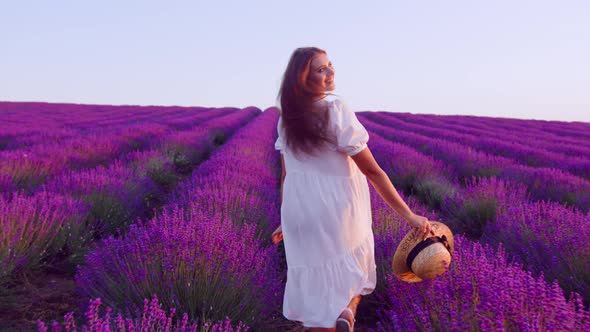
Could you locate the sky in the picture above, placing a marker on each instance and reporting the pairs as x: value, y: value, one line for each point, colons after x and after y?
x: 517, y: 59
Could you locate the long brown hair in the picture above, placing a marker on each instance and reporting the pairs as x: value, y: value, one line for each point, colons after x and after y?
x: 305, y: 128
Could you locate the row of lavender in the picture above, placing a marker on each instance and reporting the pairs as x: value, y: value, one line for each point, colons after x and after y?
x: 68, y: 212
x: 545, y: 237
x: 544, y: 129
x: 77, y: 131
x: 561, y: 129
x: 207, y: 254
x: 531, y: 151
x: 542, y: 183
x: 525, y: 134
x: 24, y: 119
x: 30, y: 166
x: 495, y: 143
x: 28, y: 124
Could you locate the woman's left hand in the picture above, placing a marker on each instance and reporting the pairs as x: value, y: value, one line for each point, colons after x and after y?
x: 277, y: 235
x: 421, y: 223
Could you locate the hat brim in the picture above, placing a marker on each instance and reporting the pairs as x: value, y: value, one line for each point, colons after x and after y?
x: 400, y: 269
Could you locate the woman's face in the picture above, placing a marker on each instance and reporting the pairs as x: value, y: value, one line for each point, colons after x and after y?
x: 321, y: 75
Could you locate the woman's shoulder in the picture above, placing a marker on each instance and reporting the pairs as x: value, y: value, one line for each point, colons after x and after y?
x: 332, y: 99
x: 338, y: 104
x: 334, y: 102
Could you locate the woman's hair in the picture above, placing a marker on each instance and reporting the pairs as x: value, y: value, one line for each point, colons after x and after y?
x: 306, y: 129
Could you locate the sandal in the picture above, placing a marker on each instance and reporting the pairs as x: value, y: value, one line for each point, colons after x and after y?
x: 343, y: 324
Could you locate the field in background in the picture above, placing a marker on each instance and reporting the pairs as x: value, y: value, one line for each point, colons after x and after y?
x: 165, y: 214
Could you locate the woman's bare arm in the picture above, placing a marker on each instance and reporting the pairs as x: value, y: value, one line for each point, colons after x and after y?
x: 378, y: 178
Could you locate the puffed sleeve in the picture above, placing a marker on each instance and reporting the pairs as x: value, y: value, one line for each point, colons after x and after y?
x: 280, y: 144
x: 351, y: 135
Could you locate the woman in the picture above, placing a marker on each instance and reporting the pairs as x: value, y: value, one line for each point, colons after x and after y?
x: 325, y: 210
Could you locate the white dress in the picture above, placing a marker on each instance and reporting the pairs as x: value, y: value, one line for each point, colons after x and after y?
x: 326, y: 222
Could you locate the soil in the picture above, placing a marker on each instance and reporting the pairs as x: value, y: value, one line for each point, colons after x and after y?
x: 45, y: 296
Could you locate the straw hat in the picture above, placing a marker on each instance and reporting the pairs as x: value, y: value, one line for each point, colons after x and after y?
x: 416, y: 259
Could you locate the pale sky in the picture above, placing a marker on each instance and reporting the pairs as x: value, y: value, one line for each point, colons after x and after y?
x: 521, y: 59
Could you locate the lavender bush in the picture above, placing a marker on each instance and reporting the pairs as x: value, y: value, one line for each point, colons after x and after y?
x: 199, y: 263
x: 155, y: 165
x: 546, y: 237
x: 469, y: 210
x: 115, y: 196
x: 412, y: 172
x: 35, y: 228
x: 553, y: 184
x: 27, y: 172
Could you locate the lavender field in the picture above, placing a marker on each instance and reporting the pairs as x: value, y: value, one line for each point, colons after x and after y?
x: 141, y: 218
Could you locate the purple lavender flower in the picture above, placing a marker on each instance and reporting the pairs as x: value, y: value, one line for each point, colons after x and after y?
x: 152, y: 318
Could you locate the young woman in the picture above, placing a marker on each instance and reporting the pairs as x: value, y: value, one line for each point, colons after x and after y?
x: 325, y: 209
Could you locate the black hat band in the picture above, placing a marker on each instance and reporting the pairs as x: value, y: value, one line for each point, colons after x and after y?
x: 423, y: 245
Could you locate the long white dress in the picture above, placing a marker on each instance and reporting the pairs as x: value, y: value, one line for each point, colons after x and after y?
x: 326, y: 222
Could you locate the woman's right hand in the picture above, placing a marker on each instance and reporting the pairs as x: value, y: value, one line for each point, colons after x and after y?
x: 277, y: 235
x: 421, y: 223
